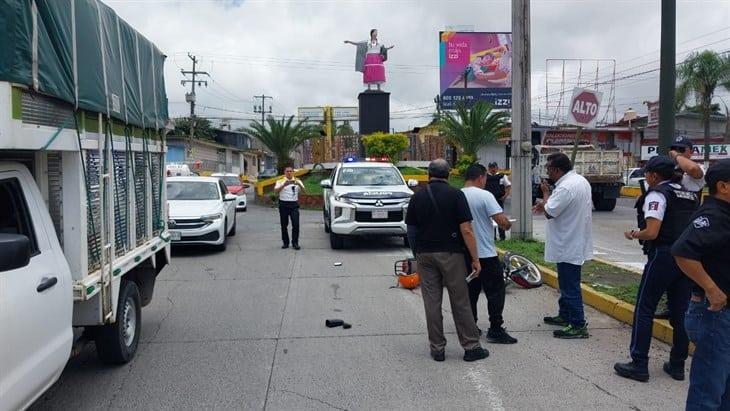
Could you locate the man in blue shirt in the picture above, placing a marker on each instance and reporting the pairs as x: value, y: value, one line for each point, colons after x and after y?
x: 485, y: 208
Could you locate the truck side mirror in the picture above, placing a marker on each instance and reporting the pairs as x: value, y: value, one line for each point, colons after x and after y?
x: 326, y: 183
x: 412, y: 183
x: 14, y: 251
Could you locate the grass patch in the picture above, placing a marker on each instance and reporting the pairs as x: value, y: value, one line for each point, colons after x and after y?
x: 311, y: 182
x: 456, y: 181
x: 608, y: 279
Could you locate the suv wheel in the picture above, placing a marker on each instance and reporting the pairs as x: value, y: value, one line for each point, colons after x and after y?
x: 326, y: 220
x: 337, y: 241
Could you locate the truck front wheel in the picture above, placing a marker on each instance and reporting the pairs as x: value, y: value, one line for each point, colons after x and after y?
x: 117, y: 343
x: 604, y: 204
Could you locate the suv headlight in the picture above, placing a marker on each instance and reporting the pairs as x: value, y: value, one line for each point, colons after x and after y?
x: 342, y: 199
x: 211, y: 217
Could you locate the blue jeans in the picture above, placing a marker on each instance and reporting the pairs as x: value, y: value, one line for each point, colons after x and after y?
x: 709, y: 377
x: 570, y: 304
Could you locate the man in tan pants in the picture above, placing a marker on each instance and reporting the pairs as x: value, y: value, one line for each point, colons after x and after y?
x: 440, y: 217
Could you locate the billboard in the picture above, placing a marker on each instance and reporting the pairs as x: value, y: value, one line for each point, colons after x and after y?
x: 475, y: 66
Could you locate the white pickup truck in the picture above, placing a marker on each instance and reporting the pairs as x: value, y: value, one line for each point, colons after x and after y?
x: 82, y: 190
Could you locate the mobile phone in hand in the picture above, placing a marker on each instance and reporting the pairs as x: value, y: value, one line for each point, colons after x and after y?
x: 471, y: 276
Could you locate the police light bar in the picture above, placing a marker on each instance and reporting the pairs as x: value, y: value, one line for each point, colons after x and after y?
x: 383, y: 159
x: 350, y: 159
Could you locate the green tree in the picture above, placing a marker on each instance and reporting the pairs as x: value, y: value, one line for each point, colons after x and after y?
x: 281, y: 137
x: 344, y: 129
x: 699, y: 76
x: 385, y: 145
x: 472, y: 128
x: 203, y: 128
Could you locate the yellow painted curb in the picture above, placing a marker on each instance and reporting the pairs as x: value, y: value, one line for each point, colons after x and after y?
x: 607, y: 304
x: 418, y: 177
x: 627, y: 191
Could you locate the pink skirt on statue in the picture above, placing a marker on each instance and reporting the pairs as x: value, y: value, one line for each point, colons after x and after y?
x: 374, y: 71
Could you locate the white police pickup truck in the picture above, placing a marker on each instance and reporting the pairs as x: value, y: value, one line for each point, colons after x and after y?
x: 365, y: 198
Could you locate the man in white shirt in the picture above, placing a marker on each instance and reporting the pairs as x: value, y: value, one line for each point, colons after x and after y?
x: 569, y: 240
x: 288, y: 189
x: 499, y: 185
x: 484, y: 208
x: 693, y: 174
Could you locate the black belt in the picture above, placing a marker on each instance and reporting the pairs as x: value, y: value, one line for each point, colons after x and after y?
x: 697, y: 297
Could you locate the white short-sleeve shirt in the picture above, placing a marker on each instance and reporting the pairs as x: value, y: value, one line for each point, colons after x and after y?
x: 569, y: 235
x: 694, y: 184
x: 290, y: 192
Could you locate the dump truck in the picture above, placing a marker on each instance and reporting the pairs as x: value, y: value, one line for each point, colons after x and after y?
x: 83, y: 213
x: 602, y: 169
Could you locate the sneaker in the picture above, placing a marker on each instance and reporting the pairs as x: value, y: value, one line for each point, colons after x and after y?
x: 570, y: 332
x: 500, y: 336
x: 674, y: 369
x: 438, y: 356
x: 475, y: 354
x: 557, y: 320
x: 632, y: 370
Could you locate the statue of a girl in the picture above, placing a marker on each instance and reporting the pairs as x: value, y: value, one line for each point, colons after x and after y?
x: 369, y: 59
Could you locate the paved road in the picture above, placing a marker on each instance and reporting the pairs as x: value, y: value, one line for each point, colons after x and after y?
x: 244, y: 329
x: 608, y: 239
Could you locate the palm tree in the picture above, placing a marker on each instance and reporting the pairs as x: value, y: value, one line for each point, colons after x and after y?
x: 472, y: 128
x: 699, y: 76
x: 281, y: 137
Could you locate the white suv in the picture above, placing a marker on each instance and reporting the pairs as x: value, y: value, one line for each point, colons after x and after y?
x: 365, y: 198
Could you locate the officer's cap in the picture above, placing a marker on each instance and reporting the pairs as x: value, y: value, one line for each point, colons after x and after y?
x: 719, y: 171
x: 682, y: 142
x: 662, y: 165
x: 492, y: 164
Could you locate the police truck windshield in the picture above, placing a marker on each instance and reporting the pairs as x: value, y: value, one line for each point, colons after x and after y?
x: 369, y: 176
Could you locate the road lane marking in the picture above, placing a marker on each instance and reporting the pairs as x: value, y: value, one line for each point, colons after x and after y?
x: 481, y: 379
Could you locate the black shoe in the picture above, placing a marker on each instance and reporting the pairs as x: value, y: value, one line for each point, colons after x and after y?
x: 285, y: 246
x: 500, y: 336
x: 557, y: 320
x: 475, y: 354
x: 296, y: 247
x: 674, y: 369
x: 438, y: 356
x: 632, y: 370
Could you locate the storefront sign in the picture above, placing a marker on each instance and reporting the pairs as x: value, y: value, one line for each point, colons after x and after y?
x: 717, y: 151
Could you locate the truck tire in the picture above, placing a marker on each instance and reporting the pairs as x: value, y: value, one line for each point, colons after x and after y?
x: 337, y: 242
x: 117, y: 343
x: 604, y: 204
x: 406, y: 243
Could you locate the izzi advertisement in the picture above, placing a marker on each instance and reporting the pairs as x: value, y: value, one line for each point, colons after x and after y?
x: 475, y: 66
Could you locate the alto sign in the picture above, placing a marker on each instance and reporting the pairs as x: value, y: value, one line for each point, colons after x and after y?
x: 584, y: 107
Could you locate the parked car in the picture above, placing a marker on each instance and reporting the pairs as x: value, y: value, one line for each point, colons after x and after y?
x: 175, y: 170
x: 201, y: 211
x: 633, y: 176
x: 236, y: 187
x: 365, y: 198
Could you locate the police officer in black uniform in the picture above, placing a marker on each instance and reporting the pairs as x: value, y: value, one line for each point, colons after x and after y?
x: 664, y: 212
x: 499, y: 185
x: 702, y: 253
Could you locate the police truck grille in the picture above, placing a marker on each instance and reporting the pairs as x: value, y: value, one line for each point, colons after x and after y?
x: 367, y: 217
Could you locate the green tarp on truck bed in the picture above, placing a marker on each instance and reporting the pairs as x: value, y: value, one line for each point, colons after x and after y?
x: 81, y: 52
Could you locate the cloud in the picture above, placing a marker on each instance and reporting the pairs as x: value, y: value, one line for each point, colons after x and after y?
x: 293, y: 50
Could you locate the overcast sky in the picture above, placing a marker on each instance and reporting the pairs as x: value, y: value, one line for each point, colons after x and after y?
x: 293, y: 50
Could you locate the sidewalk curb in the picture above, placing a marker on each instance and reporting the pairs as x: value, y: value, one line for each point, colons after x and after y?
x: 609, y: 305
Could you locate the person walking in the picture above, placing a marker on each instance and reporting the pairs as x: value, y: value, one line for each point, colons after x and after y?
x: 664, y: 212
x: 569, y: 240
x: 288, y: 189
x: 440, y: 218
x: 485, y: 209
x: 702, y: 254
x: 499, y: 185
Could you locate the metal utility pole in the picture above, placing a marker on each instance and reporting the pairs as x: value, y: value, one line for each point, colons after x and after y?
x: 521, y: 122
x: 190, y: 97
x: 667, y: 75
x: 262, y: 108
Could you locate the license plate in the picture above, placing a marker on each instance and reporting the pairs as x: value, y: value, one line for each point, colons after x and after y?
x: 380, y: 215
x: 175, y: 235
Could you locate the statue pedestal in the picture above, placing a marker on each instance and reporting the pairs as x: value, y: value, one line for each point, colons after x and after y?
x: 374, y: 111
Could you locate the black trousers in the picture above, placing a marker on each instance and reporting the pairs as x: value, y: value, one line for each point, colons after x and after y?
x: 661, y: 274
x: 502, y: 235
x: 289, y: 210
x: 491, y: 281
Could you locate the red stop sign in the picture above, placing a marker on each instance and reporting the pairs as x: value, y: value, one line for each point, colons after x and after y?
x: 584, y: 107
